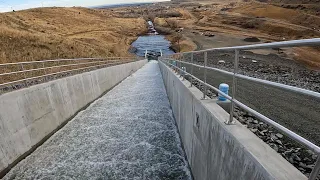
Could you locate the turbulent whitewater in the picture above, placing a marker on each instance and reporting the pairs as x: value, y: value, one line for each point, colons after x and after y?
x: 129, y: 133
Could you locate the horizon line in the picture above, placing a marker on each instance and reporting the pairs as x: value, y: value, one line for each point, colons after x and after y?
x: 96, y: 6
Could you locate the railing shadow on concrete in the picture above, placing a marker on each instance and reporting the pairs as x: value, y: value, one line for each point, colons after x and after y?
x: 24, y: 74
x: 175, y: 61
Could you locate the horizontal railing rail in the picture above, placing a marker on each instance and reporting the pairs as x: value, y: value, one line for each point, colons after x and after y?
x: 171, y: 61
x: 21, y: 73
x: 294, y: 43
x: 62, y: 60
x: 261, y: 81
x: 51, y: 67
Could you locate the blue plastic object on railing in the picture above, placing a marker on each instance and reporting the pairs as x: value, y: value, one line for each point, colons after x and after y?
x: 225, y: 89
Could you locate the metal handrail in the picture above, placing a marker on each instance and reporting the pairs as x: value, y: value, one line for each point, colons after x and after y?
x: 58, y: 60
x: 50, y: 67
x: 261, y: 81
x: 61, y: 72
x: 260, y: 116
x: 293, y: 43
x: 263, y: 118
x: 98, y: 62
x: 234, y: 74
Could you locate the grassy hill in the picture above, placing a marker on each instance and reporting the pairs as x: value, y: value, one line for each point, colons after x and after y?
x: 203, y: 22
x: 295, y: 17
x: 49, y: 33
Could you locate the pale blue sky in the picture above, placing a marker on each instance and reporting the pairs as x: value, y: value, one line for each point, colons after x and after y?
x: 8, y: 5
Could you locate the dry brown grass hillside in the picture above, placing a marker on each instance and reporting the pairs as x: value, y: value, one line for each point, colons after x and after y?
x: 50, y: 33
x: 216, y: 23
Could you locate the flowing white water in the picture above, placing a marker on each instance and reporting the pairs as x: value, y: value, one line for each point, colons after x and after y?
x: 129, y: 133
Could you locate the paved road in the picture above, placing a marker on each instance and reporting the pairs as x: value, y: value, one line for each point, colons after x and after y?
x: 129, y: 133
x: 299, y: 113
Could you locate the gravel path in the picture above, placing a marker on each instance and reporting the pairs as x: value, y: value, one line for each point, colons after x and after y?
x: 129, y: 133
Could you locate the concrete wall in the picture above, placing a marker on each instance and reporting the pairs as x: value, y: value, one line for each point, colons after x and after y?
x: 216, y: 150
x: 28, y: 115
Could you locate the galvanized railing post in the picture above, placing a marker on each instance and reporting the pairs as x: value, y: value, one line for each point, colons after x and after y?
x: 179, y: 63
x: 191, y: 79
x: 24, y: 74
x: 181, y: 68
x: 183, y: 73
x: 205, y: 75
x: 234, y: 86
x: 180, y: 59
x: 45, y: 72
x: 316, y: 169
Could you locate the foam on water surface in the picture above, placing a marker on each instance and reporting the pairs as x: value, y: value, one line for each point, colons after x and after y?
x: 129, y: 133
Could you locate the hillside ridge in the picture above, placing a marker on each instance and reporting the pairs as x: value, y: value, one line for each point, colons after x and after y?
x: 49, y: 33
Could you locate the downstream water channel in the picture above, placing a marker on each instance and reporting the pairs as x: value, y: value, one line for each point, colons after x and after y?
x: 153, y: 43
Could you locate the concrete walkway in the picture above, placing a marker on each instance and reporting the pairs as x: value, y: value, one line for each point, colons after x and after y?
x: 129, y: 133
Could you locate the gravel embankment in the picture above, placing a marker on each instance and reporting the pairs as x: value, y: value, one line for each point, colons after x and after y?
x: 297, y: 112
x: 299, y: 156
x: 270, y: 67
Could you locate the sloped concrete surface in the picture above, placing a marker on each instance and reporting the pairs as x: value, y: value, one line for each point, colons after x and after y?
x: 129, y: 133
